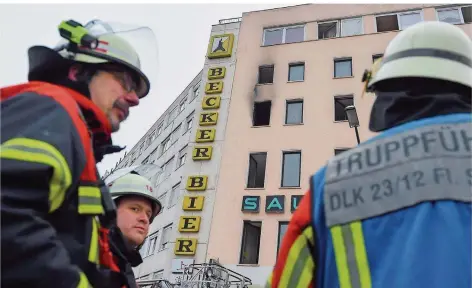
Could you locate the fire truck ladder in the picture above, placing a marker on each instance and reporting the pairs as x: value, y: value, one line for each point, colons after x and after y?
x: 212, y: 275
x: 157, y: 283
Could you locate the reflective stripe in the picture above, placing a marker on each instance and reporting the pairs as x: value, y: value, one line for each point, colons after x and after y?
x: 351, y: 258
x: 299, y: 265
x: 36, y: 151
x: 83, y: 282
x: 425, y: 164
x: 269, y: 281
x: 94, y: 250
x: 90, y: 200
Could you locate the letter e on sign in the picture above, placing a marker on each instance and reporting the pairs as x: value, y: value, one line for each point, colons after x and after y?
x: 214, y: 87
x: 189, y: 224
x: 205, y: 135
x: 185, y: 246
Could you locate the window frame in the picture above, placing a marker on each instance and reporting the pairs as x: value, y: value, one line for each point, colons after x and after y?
x: 346, y: 96
x: 342, y: 59
x: 279, y: 240
x: 290, y: 101
x: 169, y: 226
x: 459, y: 8
x: 339, y: 23
x: 294, y: 151
x: 259, y: 73
x: 284, y: 33
x: 292, y: 64
x: 243, y: 236
x: 398, y: 14
x: 249, y: 169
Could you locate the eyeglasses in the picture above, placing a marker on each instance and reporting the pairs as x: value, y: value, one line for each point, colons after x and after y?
x: 126, y: 79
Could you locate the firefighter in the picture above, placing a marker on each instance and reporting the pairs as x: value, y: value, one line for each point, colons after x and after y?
x: 54, y: 129
x: 395, y: 211
x: 136, y: 210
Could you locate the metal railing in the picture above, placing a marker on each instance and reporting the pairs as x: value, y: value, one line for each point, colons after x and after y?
x: 212, y: 275
x: 230, y: 20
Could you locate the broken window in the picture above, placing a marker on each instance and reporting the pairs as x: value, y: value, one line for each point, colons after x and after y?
x: 455, y: 15
x: 376, y: 56
x: 398, y: 21
x: 341, y: 102
x: 296, y: 72
x: 339, y: 150
x: 294, y: 112
x: 250, y: 243
x: 266, y: 74
x: 291, y: 167
x: 342, y: 68
x: 261, y: 115
x: 257, y: 169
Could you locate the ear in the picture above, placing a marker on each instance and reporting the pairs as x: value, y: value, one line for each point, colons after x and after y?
x: 73, y: 72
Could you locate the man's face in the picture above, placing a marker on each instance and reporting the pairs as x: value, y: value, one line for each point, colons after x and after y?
x: 133, y: 215
x: 113, y: 91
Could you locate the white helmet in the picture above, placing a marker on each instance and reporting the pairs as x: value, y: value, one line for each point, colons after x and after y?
x: 430, y: 49
x: 135, y: 185
x: 96, y: 43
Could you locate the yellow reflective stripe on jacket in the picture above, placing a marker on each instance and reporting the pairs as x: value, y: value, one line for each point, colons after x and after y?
x: 351, y: 257
x: 83, y: 282
x: 299, y: 266
x: 94, y: 250
x: 36, y: 151
x: 269, y: 280
x: 90, y: 200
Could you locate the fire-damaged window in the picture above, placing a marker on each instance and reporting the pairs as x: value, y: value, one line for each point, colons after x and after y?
x: 251, y: 242
x: 257, y: 169
x: 261, y: 114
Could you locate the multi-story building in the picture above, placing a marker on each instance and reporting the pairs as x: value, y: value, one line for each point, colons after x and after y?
x: 187, y: 143
x: 269, y: 111
x: 297, y: 69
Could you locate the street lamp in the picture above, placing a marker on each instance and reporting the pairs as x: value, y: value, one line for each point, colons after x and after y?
x: 353, y: 119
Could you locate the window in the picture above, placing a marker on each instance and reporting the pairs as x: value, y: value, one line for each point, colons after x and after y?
x: 151, y: 137
x: 344, y: 27
x: 174, y: 136
x: 281, y: 35
x: 146, y: 160
x: 296, y: 72
x: 144, y: 247
x: 283, y: 225
x: 338, y: 151
x: 261, y: 114
x: 141, y: 148
x: 250, y: 242
x: 398, y: 21
x: 376, y: 56
x: 266, y: 74
x: 294, y: 112
x: 291, y: 167
x: 158, y: 274
x: 174, y: 195
x: 182, y: 157
x: 165, y: 144
x: 182, y: 105
x: 257, y: 169
x: 159, y: 129
x: 152, y: 244
x: 162, y: 198
x: 455, y: 15
x: 196, y: 91
x: 165, y: 237
x: 165, y: 171
x: 172, y: 115
x: 342, y: 68
x: 341, y: 102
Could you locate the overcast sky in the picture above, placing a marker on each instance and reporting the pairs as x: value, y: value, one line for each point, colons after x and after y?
x: 182, y: 32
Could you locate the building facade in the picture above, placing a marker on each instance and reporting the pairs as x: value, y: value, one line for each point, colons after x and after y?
x: 187, y: 143
x: 297, y: 69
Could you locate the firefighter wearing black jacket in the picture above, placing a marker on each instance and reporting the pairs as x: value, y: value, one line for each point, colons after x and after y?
x: 55, y: 210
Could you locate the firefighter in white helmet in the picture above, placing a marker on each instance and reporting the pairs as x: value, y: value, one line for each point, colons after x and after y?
x: 55, y: 211
x: 396, y: 210
x: 136, y: 209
